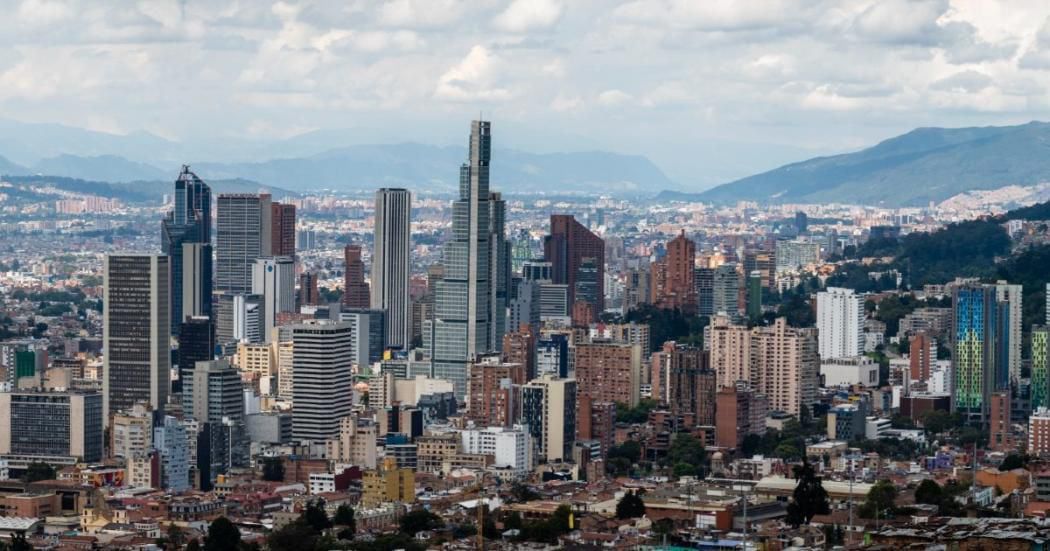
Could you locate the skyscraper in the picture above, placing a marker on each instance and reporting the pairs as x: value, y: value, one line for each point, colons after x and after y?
x: 974, y: 326
x: 213, y: 395
x: 1040, y: 367
x: 754, y: 295
x: 568, y: 244
x: 462, y: 327
x: 136, y: 330
x: 499, y: 266
x: 355, y: 288
x: 188, y: 222
x: 196, y: 344
x: 282, y: 232
x: 308, y: 293
x: 704, y: 279
x: 1010, y: 298
x: 391, y: 263
x: 243, y: 233
x: 725, y: 290
x: 273, y: 278
x: 196, y: 281
x: 322, y: 374
x: 840, y: 323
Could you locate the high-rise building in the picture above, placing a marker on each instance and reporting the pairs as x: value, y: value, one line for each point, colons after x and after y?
x: 519, y: 347
x: 239, y: 317
x: 188, y: 222
x: 51, y: 427
x: 136, y: 330
x: 552, y: 356
x: 792, y: 255
x: 975, y: 319
x: 355, y: 288
x: 801, y: 222
x: 243, y: 232
x: 537, y: 270
x: 566, y: 248
x: 777, y: 361
x: 1039, y: 432
x: 840, y: 323
x: 681, y: 379
x: 368, y: 330
x: 1040, y: 394
x: 499, y: 269
x: 308, y: 293
x: 1011, y: 311
x: 763, y: 262
x: 493, y: 390
x: 273, y: 278
x: 741, y: 412
x: 525, y: 307
x: 672, y: 279
x: 214, y: 397
x: 391, y: 262
x: 637, y: 288
x: 322, y: 373
x: 548, y: 408
x: 462, y: 328
x: 282, y: 232
x: 704, y: 280
x: 196, y: 295
x: 754, y: 295
x: 725, y: 290
x: 196, y: 344
x: 172, y: 444
x: 609, y: 372
x: 922, y: 354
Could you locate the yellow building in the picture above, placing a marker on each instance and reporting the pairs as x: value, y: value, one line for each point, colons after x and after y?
x: 257, y: 359
x: 388, y: 484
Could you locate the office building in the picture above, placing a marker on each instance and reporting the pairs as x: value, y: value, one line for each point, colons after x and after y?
x: 840, y: 323
x: 525, y: 306
x: 754, y: 295
x: 725, y: 290
x: 136, y: 330
x: 52, y: 427
x: 548, y: 408
x: 637, y: 288
x: 273, y: 279
x: 462, y: 328
x: 196, y: 281
x: 355, y: 443
x: 171, y: 441
x: 282, y: 234
x: 510, y: 448
x: 554, y: 301
x: 492, y: 392
x: 763, y: 262
x: 308, y: 292
x: 391, y: 262
x: 356, y: 293
x: 795, y: 254
x: 499, y: 269
x: 673, y: 276
x: 322, y: 373
x: 196, y: 344
x: 609, y: 372
x: 189, y: 222
x: 552, y: 356
x: 576, y: 256
x: 537, y: 270
x: 243, y: 232
x: 214, y: 396
x: 369, y: 331
x: 704, y: 281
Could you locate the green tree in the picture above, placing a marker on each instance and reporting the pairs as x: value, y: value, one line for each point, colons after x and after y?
x: 686, y: 448
x: 273, y: 469
x: 344, y: 516
x: 222, y: 536
x: 513, y: 521
x: 1011, y: 462
x: 193, y: 545
x: 630, y: 506
x: 881, y: 500
x: 418, y: 521
x: 937, y: 422
x: 19, y: 543
x: 929, y: 492
x: 294, y: 536
x: 629, y: 450
x: 38, y: 471
x: 523, y: 493
x: 809, y: 498
x: 315, y: 516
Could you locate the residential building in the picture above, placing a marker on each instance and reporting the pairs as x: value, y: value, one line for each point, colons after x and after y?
x: 840, y: 322
x: 609, y: 372
x: 356, y: 293
x: 282, y: 230
x: 672, y: 277
x: 548, y: 406
x: 388, y: 484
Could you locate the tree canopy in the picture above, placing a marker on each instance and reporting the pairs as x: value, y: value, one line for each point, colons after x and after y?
x: 809, y: 498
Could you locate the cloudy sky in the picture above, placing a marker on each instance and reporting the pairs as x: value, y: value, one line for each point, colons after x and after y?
x: 707, y: 89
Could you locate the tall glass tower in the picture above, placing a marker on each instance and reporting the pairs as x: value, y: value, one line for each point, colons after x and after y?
x: 468, y: 320
x: 189, y: 222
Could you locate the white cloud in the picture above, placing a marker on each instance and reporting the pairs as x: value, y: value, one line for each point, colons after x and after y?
x: 566, y: 103
x: 420, y: 13
x: 472, y: 79
x: 611, y: 98
x: 529, y: 15
x: 43, y: 12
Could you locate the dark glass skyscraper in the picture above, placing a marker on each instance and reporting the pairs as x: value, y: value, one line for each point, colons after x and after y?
x: 566, y: 248
x: 467, y: 300
x: 188, y: 222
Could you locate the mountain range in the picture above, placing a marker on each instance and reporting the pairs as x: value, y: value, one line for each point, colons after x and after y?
x: 926, y: 164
